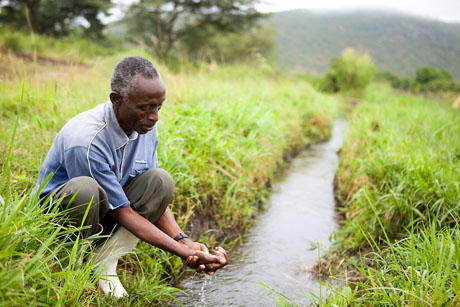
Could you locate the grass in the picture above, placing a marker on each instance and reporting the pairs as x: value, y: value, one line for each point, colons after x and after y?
x: 71, y: 49
x: 223, y: 135
x: 398, y: 185
x: 420, y: 270
x: 33, y: 264
x: 396, y: 165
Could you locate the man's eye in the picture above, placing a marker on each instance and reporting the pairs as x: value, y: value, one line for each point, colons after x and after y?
x: 149, y: 108
x: 144, y: 108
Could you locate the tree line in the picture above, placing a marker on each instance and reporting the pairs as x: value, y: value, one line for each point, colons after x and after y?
x: 426, y: 79
x: 216, y: 29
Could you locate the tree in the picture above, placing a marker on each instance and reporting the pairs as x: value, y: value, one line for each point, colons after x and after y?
x: 162, y: 23
x: 54, y: 17
x: 231, y: 47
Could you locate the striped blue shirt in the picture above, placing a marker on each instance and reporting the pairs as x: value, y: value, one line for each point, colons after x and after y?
x: 93, y: 144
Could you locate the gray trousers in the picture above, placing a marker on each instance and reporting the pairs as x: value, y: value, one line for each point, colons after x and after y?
x: 149, y: 194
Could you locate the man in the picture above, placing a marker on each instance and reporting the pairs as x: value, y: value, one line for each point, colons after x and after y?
x: 104, y: 169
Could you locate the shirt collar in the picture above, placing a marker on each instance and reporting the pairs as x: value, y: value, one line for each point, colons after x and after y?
x: 118, y: 135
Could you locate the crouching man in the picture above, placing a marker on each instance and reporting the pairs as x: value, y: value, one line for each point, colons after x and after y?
x: 105, y: 170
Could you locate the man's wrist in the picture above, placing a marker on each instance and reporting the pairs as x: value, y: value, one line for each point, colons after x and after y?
x: 180, y: 236
x: 186, y: 242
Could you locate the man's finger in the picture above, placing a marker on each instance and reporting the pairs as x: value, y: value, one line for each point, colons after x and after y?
x: 191, y: 261
x: 188, y: 262
x: 194, y: 261
x: 200, y: 268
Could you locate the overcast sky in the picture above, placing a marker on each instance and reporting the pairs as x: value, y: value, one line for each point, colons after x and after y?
x: 445, y: 10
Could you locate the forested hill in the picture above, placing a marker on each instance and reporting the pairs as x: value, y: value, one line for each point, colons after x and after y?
x: 396, y: 42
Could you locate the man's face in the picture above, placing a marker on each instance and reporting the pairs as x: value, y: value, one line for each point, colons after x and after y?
x: 140, y: 111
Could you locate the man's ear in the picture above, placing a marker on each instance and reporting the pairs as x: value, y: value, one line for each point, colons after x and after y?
x: 115, y: 98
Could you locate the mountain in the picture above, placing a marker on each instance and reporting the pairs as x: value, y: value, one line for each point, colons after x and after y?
x: 396, y: 42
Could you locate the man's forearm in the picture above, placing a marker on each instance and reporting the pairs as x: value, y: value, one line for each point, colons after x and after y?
x: 167, y: 223
x: 146, y: 231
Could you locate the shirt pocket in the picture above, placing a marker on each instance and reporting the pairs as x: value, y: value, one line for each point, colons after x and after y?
x: 140, y: 166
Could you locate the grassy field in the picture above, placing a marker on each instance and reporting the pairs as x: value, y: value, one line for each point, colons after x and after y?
x: 398, y: 182
x: 223, y: 135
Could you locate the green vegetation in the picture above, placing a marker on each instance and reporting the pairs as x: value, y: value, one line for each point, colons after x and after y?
x: 431, y: 79
x: 251, y: 46
x: 399, y: 242
x: 349, y: 73
x: 213, y: 31
x: 224, y: 132
x: 162, y: 24
x: 426, y: 80
x: 398, y: 155
x: 71, y: 49
x: 394, y: 80
x: 397, y: 43
x: 399, y: 192
x: 222, y: 148
x: 55, y: 17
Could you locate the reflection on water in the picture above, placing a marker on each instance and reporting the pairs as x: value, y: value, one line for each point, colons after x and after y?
x: 283, y: 243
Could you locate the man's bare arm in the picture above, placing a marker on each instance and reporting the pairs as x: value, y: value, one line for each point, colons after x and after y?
x: 148, y: 232
x: 167, y: 223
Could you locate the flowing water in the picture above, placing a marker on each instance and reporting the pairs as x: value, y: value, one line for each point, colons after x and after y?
x: 283, y: 244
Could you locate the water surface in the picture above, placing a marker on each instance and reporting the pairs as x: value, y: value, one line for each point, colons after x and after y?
x: 282, y: 245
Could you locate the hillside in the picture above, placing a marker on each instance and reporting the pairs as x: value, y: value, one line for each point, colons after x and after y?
x: 396, y: 42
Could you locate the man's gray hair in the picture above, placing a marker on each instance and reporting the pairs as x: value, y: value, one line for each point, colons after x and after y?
x: 125, y: 73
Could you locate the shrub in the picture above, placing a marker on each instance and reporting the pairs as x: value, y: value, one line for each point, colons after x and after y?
x: 350, y: 72
x: 432, y: 79
x: 12, y: 41
x: 394, y: 80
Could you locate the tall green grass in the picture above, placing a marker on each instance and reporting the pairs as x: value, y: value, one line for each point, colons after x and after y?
x: 419, y: 270
x: 35, y: 268
x: 398, y: 184
x: 222, y: 137
x: 398, y: 165
x: 72, y: 49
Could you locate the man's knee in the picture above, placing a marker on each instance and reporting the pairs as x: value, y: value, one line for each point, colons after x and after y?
x: 83, y: 190
x: 161, y: 179
x: 150, y: 193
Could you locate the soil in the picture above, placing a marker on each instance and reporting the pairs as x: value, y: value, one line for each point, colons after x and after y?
x: 340, y: 267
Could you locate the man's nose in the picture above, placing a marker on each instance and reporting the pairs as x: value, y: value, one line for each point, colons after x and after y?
x: 153, y: 116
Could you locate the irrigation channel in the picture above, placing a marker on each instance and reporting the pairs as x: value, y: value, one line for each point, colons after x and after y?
x: 283, y: 244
